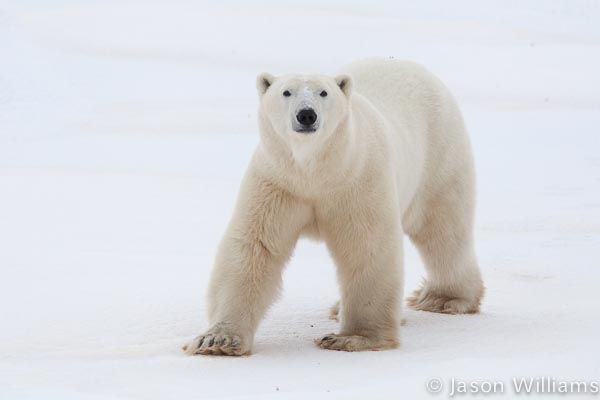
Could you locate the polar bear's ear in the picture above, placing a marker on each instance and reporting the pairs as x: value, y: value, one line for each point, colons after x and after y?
x: 345, y: 83
x: 263, y: 81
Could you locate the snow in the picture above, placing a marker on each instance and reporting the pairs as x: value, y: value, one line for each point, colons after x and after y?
x: 125, y: 128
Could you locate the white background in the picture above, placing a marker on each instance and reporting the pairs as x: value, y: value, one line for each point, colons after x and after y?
x: 125, y: 127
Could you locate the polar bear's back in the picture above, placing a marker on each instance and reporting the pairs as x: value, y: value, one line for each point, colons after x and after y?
x: 427, y: 127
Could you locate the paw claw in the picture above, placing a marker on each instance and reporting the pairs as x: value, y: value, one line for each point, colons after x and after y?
x: 354, y: 343
x: 426, y: 299
x: 217, y: 342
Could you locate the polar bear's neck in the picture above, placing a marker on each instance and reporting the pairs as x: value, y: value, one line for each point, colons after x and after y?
x: 312, y: 166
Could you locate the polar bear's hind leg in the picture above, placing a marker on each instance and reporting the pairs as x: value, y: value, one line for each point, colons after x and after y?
x: 445, y: 242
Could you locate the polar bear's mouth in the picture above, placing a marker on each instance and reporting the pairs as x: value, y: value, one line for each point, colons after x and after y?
x: 306, y: 130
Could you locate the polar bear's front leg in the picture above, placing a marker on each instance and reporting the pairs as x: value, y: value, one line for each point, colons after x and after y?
x: 368, y: 252
x: 247, y: 274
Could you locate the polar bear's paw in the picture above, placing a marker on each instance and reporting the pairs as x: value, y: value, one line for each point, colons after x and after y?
x: 354, y: 343
x: 425, y: 299
x: 218, y: 342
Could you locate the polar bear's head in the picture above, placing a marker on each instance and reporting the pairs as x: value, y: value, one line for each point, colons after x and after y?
x: 303, y: 109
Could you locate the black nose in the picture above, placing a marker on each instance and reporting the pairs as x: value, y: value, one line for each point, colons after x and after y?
x: 307, y: 117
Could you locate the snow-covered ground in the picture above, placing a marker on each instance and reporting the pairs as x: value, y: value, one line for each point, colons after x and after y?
x: 125, y: 127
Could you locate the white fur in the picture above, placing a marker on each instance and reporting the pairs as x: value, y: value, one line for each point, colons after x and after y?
x: 390, y: 157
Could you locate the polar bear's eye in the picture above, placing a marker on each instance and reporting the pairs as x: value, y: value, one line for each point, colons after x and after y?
x: 323, y: 94
x: 287, y: 93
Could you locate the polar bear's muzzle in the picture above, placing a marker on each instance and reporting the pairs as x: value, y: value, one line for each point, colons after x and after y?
x: 306, y: 121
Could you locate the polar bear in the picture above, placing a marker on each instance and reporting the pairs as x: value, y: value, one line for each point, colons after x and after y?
x: 355, y: 160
